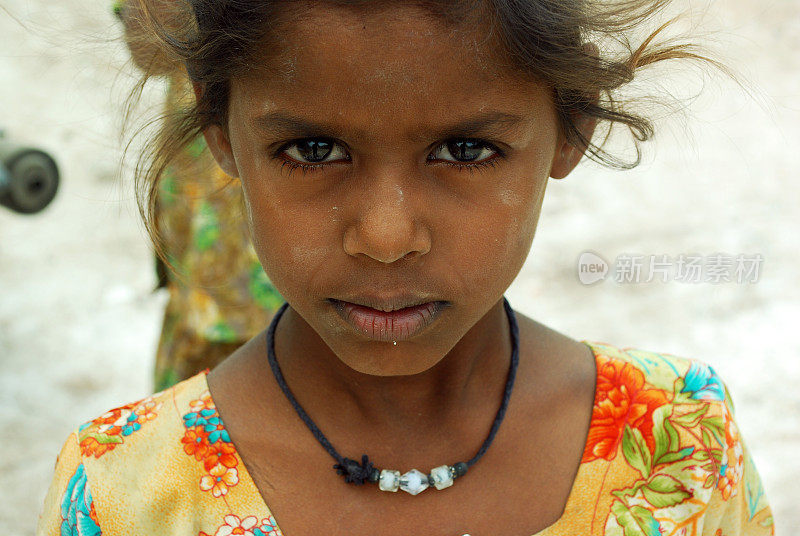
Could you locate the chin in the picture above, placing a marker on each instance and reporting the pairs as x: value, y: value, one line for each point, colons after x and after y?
x: 399, y: 360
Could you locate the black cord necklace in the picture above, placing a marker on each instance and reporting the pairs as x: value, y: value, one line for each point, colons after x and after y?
x: 413, y: 481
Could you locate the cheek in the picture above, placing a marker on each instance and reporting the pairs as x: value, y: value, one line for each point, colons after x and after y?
x: 258, y: 228
x: 293, y: 245
x: 308, y: 257
x: 524, y: 199
x: 508, y: 231
x: 491, y: 245
x: 522, y: 227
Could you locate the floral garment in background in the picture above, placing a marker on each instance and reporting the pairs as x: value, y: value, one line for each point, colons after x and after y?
x: 663, y: 457
x: 219, y: 295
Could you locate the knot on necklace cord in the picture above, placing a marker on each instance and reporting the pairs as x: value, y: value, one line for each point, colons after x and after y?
x: 354, y: 472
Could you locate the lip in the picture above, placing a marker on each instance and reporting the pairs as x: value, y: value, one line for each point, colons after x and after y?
x: 389, y: 320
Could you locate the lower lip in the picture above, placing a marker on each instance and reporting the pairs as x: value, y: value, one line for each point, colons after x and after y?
x: 396, y: 325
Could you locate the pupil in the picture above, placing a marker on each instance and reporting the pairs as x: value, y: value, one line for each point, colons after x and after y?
x: 464, y: 150
x: 315, y: 150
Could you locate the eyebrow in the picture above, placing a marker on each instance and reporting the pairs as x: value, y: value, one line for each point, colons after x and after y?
x: 490, y: 123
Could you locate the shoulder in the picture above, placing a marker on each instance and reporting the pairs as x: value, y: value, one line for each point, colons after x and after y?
x: 653, y: 381
x: 119, y: 454
x: 662, y: 399
x: 160, y: 463
x: 140, y: 449
x: 656, y: 409
x: 684, y: 377
x: 667, y: 423
x: 126, y: 428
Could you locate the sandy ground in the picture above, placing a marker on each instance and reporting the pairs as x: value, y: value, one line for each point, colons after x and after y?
x: 78, y: 320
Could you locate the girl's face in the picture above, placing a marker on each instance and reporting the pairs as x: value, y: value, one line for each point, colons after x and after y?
x: 389, y: 161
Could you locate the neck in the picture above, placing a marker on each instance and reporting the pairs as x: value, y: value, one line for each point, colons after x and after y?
x: 469, y: 379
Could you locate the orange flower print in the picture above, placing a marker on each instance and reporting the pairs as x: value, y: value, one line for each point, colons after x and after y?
x: 204, y: 402
x: 147, y: 410
x: 111, y: 422
x: 236, y: 525
x: 107, y: 431
x: 732, y: 463
x: 220, y: 479
x: 621, y: 398
x: 195, y: 443
x: 90, y: 446
x: 220, y: 453
x: 208, y: 441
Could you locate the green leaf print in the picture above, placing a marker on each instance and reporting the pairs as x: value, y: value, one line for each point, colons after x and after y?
x: 264, y: 293
x: 681, y: 397
x: 196, y: 148
x: 635, y: 520
x: 103, y: 439
x: 168, y: 187
x: 220, y: 332
x: 622, y: 494
x: 706, y: 437
x: 716, y: 427
x: 685, y: 469
x: 664, y: 490
x: 207, y: 231
x: 692, y: 419
x: 702, y: 455
x: 664, y: 433
x: 671, y: 457
x: 635, y: 451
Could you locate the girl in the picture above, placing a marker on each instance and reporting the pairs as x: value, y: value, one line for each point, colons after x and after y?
x: 393, y: 158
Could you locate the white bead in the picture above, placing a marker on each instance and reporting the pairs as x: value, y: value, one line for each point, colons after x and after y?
x: 390, y: 480
x: 442, y: 478
x: 414, y: 482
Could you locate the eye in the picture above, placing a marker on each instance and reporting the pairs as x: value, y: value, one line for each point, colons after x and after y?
x: 311, y: 151
x: 466, y: 150
x: 310, y: 154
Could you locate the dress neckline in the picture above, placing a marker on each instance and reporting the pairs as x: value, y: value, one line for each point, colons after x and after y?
x: 571, y: 510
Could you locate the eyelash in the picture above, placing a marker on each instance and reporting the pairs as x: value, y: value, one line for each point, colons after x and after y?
x: 460, y: 166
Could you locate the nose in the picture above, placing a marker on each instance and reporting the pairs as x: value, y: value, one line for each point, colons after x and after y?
x: 387, y: 226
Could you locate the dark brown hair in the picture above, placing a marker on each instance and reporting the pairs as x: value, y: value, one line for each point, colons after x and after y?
x: 545, y: 39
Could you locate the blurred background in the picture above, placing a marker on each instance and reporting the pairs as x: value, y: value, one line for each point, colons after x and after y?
x: 79, y: 319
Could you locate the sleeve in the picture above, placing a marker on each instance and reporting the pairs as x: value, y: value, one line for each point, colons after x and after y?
x: 738, y: 504
x: 68, y: 508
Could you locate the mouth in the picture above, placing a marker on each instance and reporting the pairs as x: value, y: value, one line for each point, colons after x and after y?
x: 389, y: 321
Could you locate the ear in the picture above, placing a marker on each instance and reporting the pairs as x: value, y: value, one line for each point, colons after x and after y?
x: 218, y: 141
x: 567, y: 156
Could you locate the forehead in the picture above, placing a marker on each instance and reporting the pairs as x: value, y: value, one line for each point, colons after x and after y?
x: 387, y: 66
x: 380, y: 41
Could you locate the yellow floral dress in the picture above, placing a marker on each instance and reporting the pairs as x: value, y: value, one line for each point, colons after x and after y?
x: 663, y: 457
